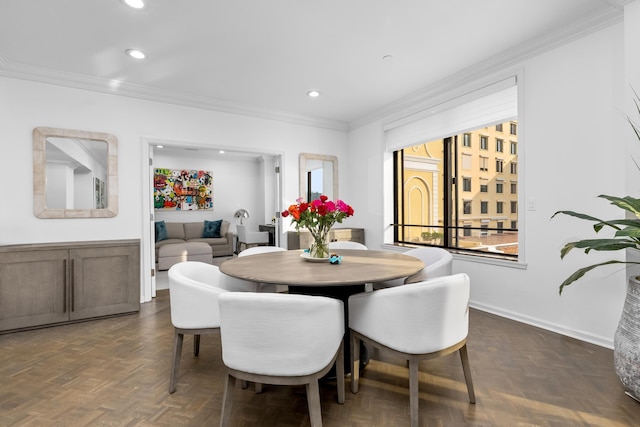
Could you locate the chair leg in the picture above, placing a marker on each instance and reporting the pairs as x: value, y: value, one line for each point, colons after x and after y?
x: 196, y: 345
x: 229, y: 385
x: 313, y: 400
x: 464, y: 357
x: 355, y: 363
x: 413, y: 392
x: 175, y: 366
x: 340, y: 373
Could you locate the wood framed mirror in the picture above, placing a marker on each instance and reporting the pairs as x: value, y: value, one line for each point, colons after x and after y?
x: 318, y: 175
x: 75, y: 174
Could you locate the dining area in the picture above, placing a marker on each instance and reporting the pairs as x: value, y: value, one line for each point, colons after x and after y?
x: 284, y: 318
x: 116, y: 371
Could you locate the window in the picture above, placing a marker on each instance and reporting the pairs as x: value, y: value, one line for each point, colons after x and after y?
x: 514, y: 168
x: 466, y: 184
x: 514, y: 207
x: 484, y: 164
x: 499, y: 207
x: 513, y: 129
x: 450, y: 184
x: 514, y: 148
x: 514, y: 188
x: 466, y: 162
x: 514, y: 225
x: 484, y: 142
x: 500, y: 227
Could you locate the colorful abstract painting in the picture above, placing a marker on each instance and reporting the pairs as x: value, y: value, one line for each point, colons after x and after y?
x: 182, y: 190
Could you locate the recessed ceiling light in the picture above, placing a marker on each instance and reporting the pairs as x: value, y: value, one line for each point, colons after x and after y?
x: 136, y: 4
x: 313, y: 93
x: 135, y: 53
x: 159, y: 146
x: 221, y: 151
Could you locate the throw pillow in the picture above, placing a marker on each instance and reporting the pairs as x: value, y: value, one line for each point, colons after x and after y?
x: 212, y: 228
x: 161, y: 231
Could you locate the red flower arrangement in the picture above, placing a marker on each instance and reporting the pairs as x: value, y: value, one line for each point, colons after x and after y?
x: 318, y: 216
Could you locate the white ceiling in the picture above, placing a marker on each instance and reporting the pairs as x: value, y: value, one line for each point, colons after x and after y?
x: 260, y: 57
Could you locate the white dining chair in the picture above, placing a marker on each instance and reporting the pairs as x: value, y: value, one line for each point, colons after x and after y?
x: 250, y: 238
x: 193, y: 293
x: 260, y: 250
x: 438, y: 262
x: 421, y: 320
x: 281, y: 339
x: 346, y: 245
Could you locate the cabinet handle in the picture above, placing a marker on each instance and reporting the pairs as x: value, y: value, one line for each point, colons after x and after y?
x: 64, y: 288
x: 73, y: 272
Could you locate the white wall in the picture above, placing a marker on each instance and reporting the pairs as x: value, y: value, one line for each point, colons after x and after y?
x: 572, y: 147
x: 25, y: 105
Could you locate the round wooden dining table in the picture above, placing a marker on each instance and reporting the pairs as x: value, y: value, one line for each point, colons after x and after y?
x: 303, y: 276
x: 292, y: 268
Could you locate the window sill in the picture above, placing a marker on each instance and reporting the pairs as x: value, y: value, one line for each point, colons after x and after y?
x: 480, y: 259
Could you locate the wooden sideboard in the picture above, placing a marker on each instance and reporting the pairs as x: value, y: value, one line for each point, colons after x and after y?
x: 302, y: 239
x: 53, y: 283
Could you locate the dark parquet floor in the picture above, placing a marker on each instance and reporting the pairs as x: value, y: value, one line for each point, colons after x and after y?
x: 115, y: 372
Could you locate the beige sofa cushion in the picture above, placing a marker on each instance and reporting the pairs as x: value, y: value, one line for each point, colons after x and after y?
x: 175, y: 230
x: 193, y: 230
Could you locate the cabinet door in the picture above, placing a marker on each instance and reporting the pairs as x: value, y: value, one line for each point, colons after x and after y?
x: 105, y: 281
x: 33, y: 288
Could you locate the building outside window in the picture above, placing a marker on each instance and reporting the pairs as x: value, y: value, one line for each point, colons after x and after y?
x: 484, y: 142
x: 484, y: 164
x: 514, y: 206
x: 514, y: 148
x: 466, y: 184
x: 431, y: 194
x: 513, y: 129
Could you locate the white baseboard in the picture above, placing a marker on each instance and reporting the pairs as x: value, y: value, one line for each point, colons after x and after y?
x: 579, y: 335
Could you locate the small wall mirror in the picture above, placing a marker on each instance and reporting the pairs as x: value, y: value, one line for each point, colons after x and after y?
x: 318, y: 175
x: 75, y: 174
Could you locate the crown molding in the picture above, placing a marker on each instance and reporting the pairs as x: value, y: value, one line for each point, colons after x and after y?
x: 497, y: 64
x: 95, y: 84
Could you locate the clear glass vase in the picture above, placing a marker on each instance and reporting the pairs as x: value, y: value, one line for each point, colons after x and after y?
x: 320, y: 245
